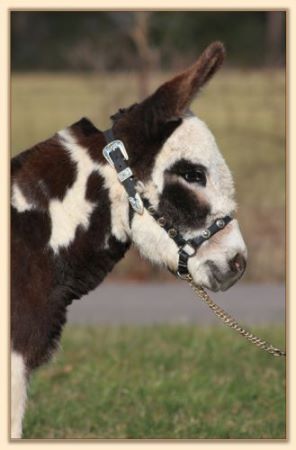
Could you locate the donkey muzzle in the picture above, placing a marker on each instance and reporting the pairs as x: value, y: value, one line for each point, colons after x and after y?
x: 220, y: 279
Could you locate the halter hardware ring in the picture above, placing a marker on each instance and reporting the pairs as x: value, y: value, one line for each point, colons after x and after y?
x: 172, y: 232
x: 206, y: 234
x: 220, y: 223
x: 185, y: 276
x: 188, y: 249
x: 161, y: 221
x: 151, y: 210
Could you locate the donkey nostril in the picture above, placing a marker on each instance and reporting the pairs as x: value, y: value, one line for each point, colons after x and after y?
x: 238, y: 263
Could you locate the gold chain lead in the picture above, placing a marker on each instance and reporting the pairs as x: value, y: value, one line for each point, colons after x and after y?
x: 231, y: 322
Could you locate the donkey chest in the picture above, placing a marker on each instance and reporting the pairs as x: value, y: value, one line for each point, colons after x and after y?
x: 73, y: 269
x: 44, y: 283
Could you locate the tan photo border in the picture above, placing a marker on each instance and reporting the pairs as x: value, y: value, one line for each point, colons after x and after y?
x: 5, y: 7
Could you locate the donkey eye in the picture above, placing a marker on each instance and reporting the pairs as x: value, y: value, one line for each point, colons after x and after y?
x: 196, y: 176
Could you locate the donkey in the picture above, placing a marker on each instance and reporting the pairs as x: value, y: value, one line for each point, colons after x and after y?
x: 73, y: 217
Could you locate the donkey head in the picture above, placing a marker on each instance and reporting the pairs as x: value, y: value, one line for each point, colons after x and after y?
x: 184, y: 176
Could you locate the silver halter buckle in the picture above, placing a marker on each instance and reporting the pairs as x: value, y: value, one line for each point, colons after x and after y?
x: 135, y: 200
x: 114, y: 145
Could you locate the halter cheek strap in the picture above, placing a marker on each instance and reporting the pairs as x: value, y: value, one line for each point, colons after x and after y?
x: 116, y: 155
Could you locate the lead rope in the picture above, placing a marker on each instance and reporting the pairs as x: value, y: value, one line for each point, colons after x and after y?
x: 231, y: 322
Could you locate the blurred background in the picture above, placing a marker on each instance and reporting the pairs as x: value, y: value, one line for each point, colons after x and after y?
x: 66, y: 65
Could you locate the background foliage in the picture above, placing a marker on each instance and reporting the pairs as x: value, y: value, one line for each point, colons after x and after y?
x: 89, y: 40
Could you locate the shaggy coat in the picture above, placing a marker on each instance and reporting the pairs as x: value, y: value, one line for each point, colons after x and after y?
x: 71, y: 221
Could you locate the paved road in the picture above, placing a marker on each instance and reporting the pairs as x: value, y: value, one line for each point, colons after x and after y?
x: 175, y: 303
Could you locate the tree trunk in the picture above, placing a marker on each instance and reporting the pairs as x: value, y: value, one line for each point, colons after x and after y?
x: 274, y: 36
x: 147, y: 57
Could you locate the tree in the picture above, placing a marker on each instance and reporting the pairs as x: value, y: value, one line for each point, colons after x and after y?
x: 274, y: 37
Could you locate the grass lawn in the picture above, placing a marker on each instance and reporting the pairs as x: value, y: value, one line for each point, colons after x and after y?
x: 244, y: 109
x: 159, y: 382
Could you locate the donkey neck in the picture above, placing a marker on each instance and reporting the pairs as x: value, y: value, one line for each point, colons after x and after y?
x: 85, y: 144
x: 64, y: 186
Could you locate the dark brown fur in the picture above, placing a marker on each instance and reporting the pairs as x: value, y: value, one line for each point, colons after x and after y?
x: 42, y: 283
x: 183, y: 209
x: 44, y: 172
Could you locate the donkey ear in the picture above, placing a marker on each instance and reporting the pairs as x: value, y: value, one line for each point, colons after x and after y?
x: 174, y: 97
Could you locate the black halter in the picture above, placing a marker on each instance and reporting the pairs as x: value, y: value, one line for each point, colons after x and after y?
x: 116, y: 155
x: 187, y: 248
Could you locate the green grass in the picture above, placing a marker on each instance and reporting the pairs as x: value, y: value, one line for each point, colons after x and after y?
x: 159, y: 382
x: 244, y: 109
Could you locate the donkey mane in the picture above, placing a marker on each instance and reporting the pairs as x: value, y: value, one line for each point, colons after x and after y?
x: 118, y: 115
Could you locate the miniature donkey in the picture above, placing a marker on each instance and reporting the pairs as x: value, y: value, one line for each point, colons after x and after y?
x: 72, y: 220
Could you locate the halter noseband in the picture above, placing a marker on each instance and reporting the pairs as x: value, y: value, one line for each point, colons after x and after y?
x: 116, y: 155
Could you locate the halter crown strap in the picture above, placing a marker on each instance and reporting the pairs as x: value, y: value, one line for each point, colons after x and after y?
x: 116, y: 155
